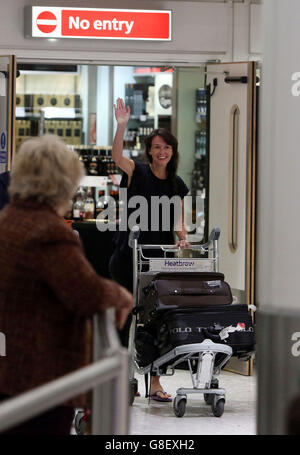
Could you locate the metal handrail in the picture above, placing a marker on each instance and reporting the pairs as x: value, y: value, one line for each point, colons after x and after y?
x: 112, y: 370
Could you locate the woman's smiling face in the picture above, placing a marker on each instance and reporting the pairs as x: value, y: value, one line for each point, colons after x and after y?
x: 160, y: 151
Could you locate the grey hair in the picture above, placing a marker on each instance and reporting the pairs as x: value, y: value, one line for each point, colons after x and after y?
x: 46, y: 170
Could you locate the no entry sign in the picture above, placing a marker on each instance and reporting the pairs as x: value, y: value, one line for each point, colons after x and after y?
x: 46, y: 22
x: 59, y: 22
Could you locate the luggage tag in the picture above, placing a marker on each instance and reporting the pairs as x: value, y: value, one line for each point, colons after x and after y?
x: 240, y: 327
x: 213, y: 284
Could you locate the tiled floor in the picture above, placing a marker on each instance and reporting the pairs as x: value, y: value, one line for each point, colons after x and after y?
x: 239, y: 417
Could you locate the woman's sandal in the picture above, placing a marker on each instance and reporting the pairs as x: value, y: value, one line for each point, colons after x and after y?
x: 155, y: 396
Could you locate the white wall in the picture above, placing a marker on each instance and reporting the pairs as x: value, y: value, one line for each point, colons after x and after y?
x: 247, y: 32
x: 278, y: 241
x: 201, y: 31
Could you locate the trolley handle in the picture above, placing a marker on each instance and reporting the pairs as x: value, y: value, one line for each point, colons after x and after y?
x: 214, y: 235
x: 134, y: 235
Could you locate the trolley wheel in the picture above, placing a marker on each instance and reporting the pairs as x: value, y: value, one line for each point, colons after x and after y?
x: 179, y: 406
x: 79, y: 423
x: 218, y: 407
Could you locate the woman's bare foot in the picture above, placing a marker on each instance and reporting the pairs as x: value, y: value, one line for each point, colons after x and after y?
x: 157, y: 389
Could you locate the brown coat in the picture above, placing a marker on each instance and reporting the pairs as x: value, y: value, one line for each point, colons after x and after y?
x: 48, y: 293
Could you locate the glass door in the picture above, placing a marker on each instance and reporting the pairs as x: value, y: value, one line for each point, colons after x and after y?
x: 7, y: 110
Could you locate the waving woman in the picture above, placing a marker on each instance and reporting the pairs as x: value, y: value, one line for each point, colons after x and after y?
x: 157, y: 178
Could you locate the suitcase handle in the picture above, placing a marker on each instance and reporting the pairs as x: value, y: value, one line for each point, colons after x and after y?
x: 191, y: 291
x: 211, y: 336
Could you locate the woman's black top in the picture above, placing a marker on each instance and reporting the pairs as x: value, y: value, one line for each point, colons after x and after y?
x: 145, y: 183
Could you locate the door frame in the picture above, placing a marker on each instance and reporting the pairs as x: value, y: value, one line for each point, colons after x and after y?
x: 11, y: 104
x: 246, y: 368
x: 251, y: 152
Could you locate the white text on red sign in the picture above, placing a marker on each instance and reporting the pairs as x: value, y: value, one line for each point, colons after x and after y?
x: 75, y: 23
x: 58, y: 22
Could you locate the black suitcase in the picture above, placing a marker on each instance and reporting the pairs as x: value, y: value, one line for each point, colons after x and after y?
x: 188, y: 326
x: 181, y: 290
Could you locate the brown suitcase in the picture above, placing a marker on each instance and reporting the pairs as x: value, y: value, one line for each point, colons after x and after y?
x: 183, y: 290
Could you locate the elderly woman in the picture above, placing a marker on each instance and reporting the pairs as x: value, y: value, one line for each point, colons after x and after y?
x: 48, y: 290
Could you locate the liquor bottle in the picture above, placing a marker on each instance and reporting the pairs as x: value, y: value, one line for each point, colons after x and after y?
x: 78, y: 206
x: 89, y: 206
x: 101, y: 204
x: 93, y: 163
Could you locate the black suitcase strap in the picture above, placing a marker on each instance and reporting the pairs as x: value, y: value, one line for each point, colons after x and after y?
x: 233, y: 308
x: 191, y: 291
x: 201, y: 276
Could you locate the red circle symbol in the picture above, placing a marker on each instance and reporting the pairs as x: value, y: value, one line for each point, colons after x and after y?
x: 46, y: 22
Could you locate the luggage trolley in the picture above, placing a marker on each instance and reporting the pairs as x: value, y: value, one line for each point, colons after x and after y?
x: 204, y: 354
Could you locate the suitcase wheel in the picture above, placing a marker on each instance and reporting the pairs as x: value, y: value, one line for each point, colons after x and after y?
x: 179, y: 405
x: 218, y: 407
x: 209, y: 398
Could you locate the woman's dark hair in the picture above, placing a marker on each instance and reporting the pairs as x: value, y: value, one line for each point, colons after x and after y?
x: 173, y: 163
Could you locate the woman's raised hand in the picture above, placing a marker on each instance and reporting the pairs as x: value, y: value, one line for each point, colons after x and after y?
x: 182, y: 244
x: 121, y: 112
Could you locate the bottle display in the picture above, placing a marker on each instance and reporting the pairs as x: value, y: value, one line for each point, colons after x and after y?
x: 97, y: 160
x: 200, y: 144
x: 200, y: 174
x: 135, y: 139
x: 29, y: 108
x: 201, y: 105
x: 98, y: 163
x: 201, y: 171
